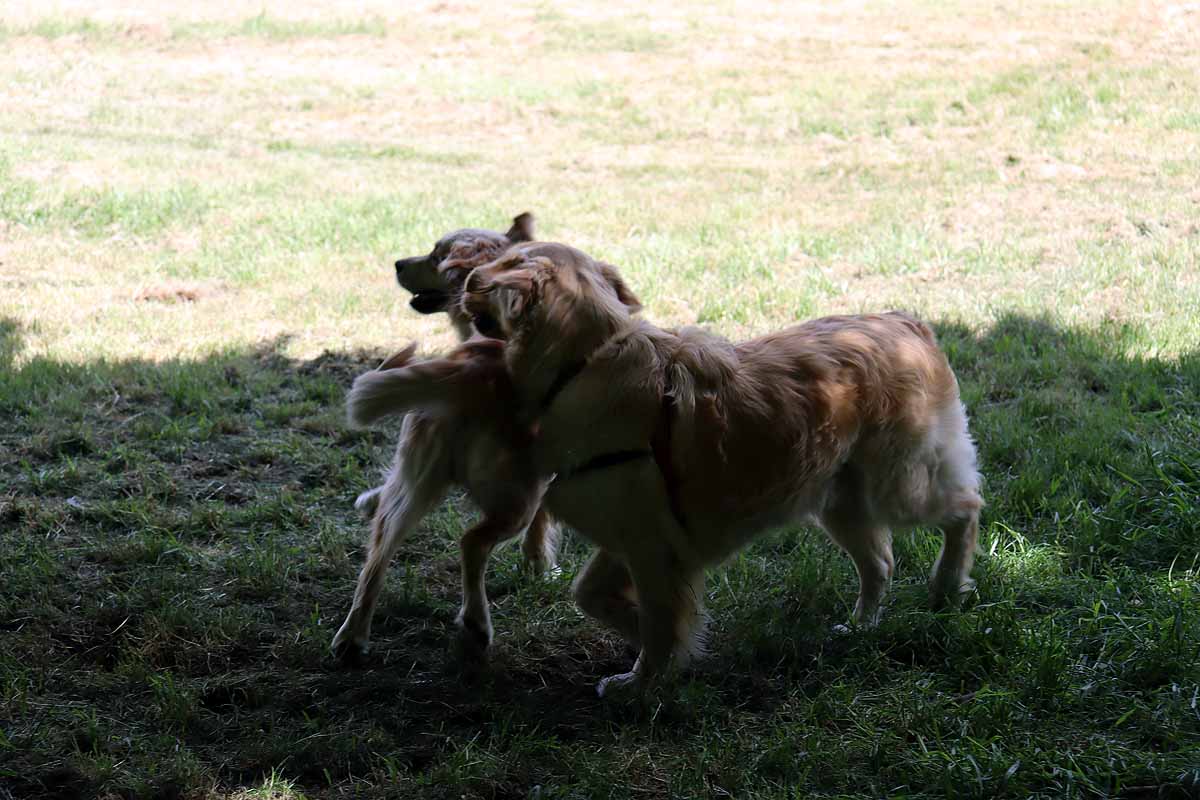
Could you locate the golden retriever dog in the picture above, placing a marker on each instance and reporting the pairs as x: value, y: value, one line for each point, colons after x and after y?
x: 427, y: 459
x: 481, y: 447
x: 435, y: 280
x: 671, y: 450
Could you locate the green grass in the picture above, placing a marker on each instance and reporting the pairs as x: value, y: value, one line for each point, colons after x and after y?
x: 178, y: 580
x: 261, y: 26
x: 198, y: 212
x: 270, y: 26
x: 54, y: 27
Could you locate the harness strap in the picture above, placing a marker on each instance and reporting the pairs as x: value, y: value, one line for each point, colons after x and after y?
x: 569, y: 373
x: 604, y: 461
x: 660, y: 446
x: 660, y: 439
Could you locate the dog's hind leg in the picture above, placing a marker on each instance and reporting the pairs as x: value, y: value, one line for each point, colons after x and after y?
x: 951, y: 579
x: 402, y: 506
x: 869, y: 545
x: 955, y: 496
x: 475, y: 619
x: 540, y: 544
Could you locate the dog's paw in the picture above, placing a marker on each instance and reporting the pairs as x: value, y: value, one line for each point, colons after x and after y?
x: 474, y: 637
x: 349, y: 652
x: 950, y: 594
x: 626, y: 686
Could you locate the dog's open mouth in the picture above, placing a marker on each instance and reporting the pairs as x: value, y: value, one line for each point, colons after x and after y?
x: 429, y: 301
x: 487, y: 325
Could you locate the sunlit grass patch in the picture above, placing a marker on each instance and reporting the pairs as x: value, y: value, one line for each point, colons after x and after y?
x: 621, y: 34
x: 54, y: 27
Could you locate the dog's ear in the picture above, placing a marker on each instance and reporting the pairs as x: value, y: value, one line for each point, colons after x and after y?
x: 518, y: 288
x: 513, y: 301
x: 522, y: 228
x: 624, y: 293
x: 398, y: 359
x: 469, y: 254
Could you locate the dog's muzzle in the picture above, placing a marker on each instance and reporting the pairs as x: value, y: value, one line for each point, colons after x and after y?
x: 429, y: 301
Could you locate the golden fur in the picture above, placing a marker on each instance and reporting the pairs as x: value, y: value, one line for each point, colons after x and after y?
x: 435, y: 279
x: 481, y: 448
x: 854, y: 422
x: 433, y: 454
x: 462, y: 429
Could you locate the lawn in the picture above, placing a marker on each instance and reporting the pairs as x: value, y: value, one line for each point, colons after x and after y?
x: 199, y: 206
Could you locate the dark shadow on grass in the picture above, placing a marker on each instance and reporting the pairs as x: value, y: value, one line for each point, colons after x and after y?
x: 178, y: 547
x: 10, y: 342
x: 1067, y: 419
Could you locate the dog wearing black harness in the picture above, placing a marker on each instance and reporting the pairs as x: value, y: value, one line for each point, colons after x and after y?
x: 673, y: 449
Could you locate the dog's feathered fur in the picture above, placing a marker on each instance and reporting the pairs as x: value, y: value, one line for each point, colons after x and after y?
x: 434, y: 454
x: 855, y: 422
x: 481, y: 448
x: 852, y: 421
x: 435, y: 279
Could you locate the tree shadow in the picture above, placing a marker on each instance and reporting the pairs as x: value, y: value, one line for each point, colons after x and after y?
x: 1083, y: 442
x: 178, y: 546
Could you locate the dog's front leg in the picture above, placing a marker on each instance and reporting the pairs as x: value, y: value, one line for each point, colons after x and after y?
x: 604, y: 591
x: 669, y: 616
x: 645, y: 581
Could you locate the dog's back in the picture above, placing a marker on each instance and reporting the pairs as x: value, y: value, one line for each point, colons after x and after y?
x: 788, y: 411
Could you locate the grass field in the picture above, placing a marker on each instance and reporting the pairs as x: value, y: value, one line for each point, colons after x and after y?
x: 199, y: 206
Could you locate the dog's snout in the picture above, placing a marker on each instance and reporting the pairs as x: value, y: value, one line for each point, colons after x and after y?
x: 407, y: 263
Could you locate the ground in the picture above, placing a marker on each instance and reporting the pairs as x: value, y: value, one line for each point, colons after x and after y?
x: 198, y: 211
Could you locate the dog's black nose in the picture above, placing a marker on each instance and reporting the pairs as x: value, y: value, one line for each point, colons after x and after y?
x: 405, y: 263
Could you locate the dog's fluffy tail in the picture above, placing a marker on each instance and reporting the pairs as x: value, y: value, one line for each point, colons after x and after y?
x: 390, y: 389
x: 400, y: 386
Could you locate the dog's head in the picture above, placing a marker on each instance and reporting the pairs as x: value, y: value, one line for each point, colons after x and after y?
x: 436, y: 279
x: 545, y: 289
